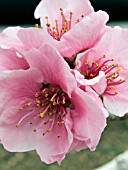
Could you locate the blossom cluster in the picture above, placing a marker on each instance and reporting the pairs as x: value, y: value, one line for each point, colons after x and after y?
x: 60, y: 81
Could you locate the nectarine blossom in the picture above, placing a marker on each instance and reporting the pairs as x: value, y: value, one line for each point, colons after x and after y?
x: 105, y: 69
x: 42, y: 108
x: 74, y: 24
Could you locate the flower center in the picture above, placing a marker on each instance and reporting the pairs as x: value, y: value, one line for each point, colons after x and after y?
x: 59, y: 29
x: 111, y: 70
x: 48, y: 108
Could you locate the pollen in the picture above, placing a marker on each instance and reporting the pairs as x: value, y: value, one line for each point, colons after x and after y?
x: 34, y: 130
x: 46, y: 95
x: 50, y: 119
x: 116, y: 92
x: 17, y: 126
x: 86, y: 62
x: 63, y: 122
x: 36, y: 25
x: 29, y: 104
x: 37, y: 105
x: 111, y: 87
x: 45, y: 123
x: 48, y: 130
x: 30, y: 122
x: 41, y: 114
x: 20, y: 108
x: 54, y: 103
x: 96, y: 64
x: 120, y: 69
x: 58, y: 135
x: 91, y: 75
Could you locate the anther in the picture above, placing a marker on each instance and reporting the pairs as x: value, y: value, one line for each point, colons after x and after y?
x: 48, y: 130
x: 50, y: 119
x: 34, y: 130
x: 46, y: 95
x: 91, y: 75
x: 41, y: 114
x: 86, y: 62
x: 96, y: 64
x: 29, y: 104
x: 104, y: 56
x: 20, y: 108
x: 17, y: 126
x: 36, y: 25
x: 58, y: 136
x: 45, y: 123
x: 111, y: 87
x: 54, y: 103
x: 63, y: 122
x: 116, y: 92
x: 30, y: 122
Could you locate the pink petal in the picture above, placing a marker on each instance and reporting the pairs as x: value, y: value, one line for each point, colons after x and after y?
x: 15, y: 139
x: 114, y: 45
x: 15, y: 85
x: 84, y: 35
x: 118, y: 104
x: 53, y: 67
x: 34, y: 37
x: 9, y: 39
x: 98, y: 83
x: 79, y: 77
x: 89, y: 120
x: 10, y: 61
x: 78, y: 145
x: 50, y: 148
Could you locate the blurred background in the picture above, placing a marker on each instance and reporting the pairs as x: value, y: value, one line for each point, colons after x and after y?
x: 115, y: 137
x: 21, y: 11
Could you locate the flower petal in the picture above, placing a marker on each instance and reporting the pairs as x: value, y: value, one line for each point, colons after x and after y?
x: 52, y: 10
x: 98, y: 83
x: 10, y: 61
x: 114, y: 45
x: 50, y: 148
x: 89, y: 120
x: 84, y: 34
x: 9, y: 39
x: 15, y: 85
x: 34, y: 37
x: 53, y: 67
x: 118, y: 104
x: 15, y: 139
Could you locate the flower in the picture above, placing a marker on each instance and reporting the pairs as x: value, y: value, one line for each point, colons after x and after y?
x: 42, y: 108
x: 104, y: 69
x: 74, y: 37
x: 73, y: 23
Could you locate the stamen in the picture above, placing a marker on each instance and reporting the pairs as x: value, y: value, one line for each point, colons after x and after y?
x: 112, y: 72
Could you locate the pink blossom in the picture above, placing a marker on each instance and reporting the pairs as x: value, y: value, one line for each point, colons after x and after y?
x: 11, y: 60
x: 70, y: 23
x: 82, y: 28
x: 104, y: 69
x: 42, y: 108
